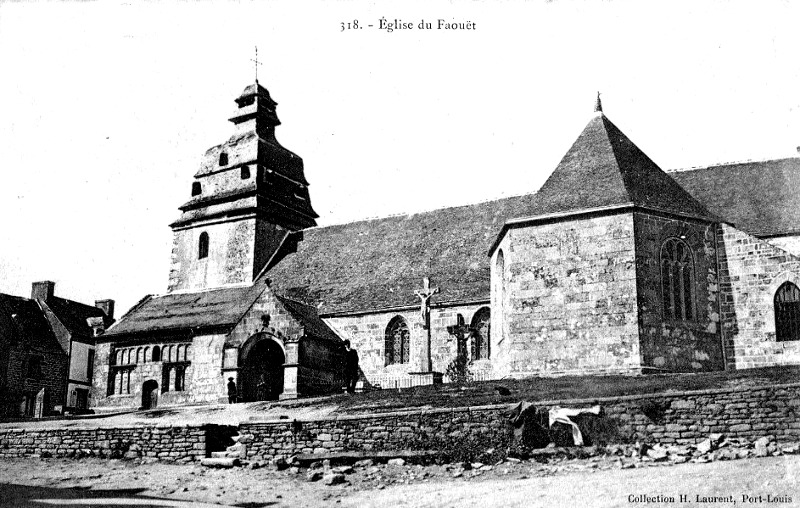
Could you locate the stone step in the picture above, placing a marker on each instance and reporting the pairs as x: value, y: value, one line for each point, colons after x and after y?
x: 219, y: 462
x: 219, y: 455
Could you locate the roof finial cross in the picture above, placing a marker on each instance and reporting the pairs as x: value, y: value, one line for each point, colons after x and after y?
x: 257, y: 63
x: 598, y: 106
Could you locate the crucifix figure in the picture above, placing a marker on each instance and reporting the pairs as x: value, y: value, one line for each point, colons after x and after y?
x: 424, y: 296
x: 257, y: 63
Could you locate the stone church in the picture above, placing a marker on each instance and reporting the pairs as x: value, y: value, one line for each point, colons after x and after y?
x: 613, y: 266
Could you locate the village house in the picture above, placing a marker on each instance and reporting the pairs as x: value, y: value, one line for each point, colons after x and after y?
x: 47, y: 351
x: 613, y: 266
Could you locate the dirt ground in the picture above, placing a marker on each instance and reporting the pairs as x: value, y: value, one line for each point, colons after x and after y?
x: 595, y: 482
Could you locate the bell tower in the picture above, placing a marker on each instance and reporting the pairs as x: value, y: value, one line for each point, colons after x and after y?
x: 249, y: 194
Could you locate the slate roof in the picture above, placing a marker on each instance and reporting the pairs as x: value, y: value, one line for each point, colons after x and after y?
x: 378, y: 263
x: 603, y: 168
x: 73, y: 315
x: 30, y: 323
x: 761, y: 197
x: 180, y: 311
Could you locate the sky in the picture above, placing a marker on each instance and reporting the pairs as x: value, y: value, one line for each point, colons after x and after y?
x: 107, y: 107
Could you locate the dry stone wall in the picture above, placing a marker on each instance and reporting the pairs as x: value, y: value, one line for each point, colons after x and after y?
x: 460, y: 433
x: 163, y: 442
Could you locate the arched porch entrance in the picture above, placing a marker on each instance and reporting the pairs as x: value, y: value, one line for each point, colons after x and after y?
x: 149, y: 394
x: 261, y: 368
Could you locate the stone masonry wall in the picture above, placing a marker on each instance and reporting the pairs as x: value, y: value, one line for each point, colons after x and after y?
x: 162, y: 442
x: 229, y: 260
x: 666, y: 343
x: 683, y: 417
x: 751, y: 271
x: 569, y: 298
x: 367, y: 335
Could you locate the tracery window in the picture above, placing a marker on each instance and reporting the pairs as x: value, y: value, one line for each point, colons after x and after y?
x: 397, y: 341
x: 677, y: 280
x: 480, y: 334
x: 787, y: 312
x: 202, y: 247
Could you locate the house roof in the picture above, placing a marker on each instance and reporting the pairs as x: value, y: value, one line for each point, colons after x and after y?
x: 30, y: 324
x: 603, y: 169
x: 73, y: 315
x: 180, y: 311
x: 760, y: 197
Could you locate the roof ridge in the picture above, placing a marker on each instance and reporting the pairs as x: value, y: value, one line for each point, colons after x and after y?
x: 730, y: 163
x: 421, y: 212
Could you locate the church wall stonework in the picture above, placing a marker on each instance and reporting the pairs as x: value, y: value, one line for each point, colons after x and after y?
x: 751, y: 271
x: 367, y: 335
x: 229, y: 260
x: 568, y: 298
x: 668, y: 344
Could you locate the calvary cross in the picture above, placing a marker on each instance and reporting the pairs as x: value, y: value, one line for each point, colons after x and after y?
x: 425, y: 295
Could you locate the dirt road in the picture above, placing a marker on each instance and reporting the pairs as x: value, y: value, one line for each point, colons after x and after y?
x: 591, y: 483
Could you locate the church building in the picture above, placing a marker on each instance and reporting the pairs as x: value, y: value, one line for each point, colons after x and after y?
x: 613, y: 266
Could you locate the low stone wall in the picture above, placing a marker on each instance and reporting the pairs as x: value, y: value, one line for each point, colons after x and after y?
x: 685, y: 417
x: 162, y: 442
x: 456, y: 432
x: 459, y: 433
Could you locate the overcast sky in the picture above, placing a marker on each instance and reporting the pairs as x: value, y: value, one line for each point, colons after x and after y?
x: 107, y: 107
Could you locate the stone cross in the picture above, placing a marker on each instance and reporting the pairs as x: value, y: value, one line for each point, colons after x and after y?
x: 424, y: 296
x: 461, y: 331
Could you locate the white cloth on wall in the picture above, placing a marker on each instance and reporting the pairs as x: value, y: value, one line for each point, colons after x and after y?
x: 563, y: 414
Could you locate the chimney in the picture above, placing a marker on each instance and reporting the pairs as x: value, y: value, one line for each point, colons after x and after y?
x: 43, y: 290
x: 107, y: 306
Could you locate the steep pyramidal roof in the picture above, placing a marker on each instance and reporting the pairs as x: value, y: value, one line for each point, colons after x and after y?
x: 603, y: 168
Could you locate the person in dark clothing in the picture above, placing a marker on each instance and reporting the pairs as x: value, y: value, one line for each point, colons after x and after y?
x: 350, y: 367
x: 232, y: 393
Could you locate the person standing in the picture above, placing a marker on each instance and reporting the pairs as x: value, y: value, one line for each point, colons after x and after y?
x: 350, y: 367
x: 232, y: 392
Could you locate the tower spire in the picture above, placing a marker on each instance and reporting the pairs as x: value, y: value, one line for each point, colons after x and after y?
x: 598, y: 106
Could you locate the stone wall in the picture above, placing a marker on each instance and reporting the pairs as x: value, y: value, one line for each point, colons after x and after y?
x: 677, y: 345
x: 751, y: 271
x: 461, y: 433
x: 367, y: 335
x: 683, y: 417
x: 163, y: 442
x: 568, y: 298
x: 229, y: 261
x: 201, y: 360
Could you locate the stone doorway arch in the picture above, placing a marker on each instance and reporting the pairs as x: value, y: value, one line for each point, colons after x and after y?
x: 261, y: 368
x: 149, y: 394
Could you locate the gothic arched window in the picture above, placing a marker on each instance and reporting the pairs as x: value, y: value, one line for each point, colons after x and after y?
x: 677, y: 280
x: 480, y: 334
x: 397, y: 341
x: 202, y: 247
x: 787, y: 312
